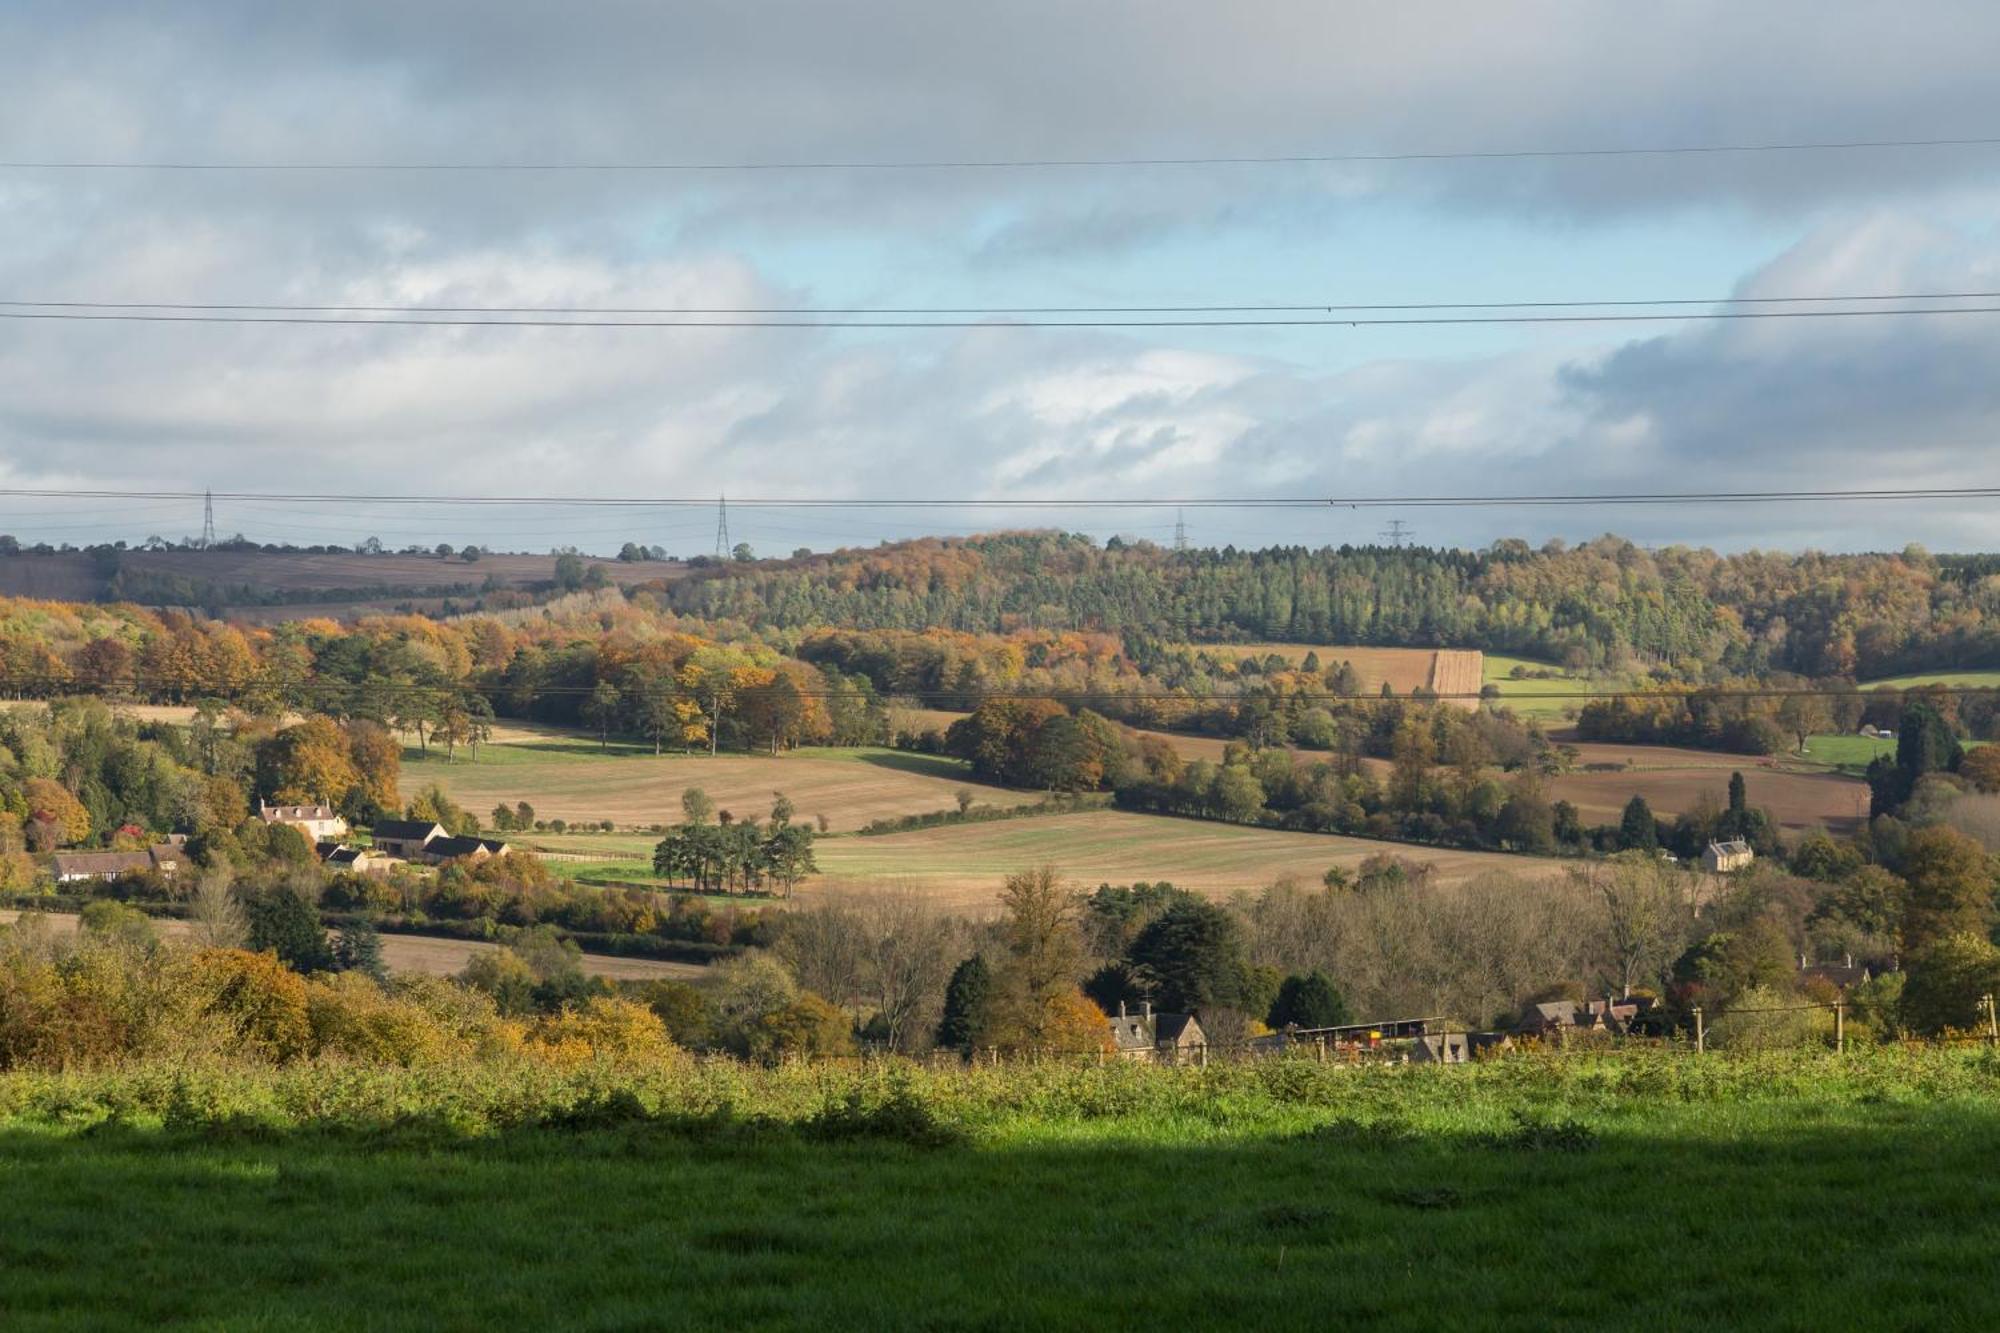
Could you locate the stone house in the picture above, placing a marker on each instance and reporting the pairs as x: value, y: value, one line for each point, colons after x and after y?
x: 318, y: 822
x: 1147, y: 1035
x: 1722, y: 857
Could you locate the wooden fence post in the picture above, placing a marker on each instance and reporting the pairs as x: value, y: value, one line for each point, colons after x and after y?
x: 1700, y: 1032
x: 1840, y: 1026
x: 1992, y: 1020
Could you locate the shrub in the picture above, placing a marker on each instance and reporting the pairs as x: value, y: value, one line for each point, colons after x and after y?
x: 265, y: 1000
x: 602, y: 1029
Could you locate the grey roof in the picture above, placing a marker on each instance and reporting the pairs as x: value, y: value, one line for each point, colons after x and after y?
x: 273, y: 813
x: 407, y: 830
x: 101, y: 863
x: 1734, y: 847
x: 446, y: 849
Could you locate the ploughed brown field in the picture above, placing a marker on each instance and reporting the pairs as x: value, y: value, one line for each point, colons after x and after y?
x: 441, y: 957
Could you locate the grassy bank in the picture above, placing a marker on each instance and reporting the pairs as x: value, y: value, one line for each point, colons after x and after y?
x: 1594, y: 1192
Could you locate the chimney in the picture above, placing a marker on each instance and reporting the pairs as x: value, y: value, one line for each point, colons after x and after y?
x: 1121, y: 1008
x: 1850, y: 959
x: 1149, y: 1009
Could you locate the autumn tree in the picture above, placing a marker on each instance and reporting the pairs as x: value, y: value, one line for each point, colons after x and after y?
x: 1035, y: 998
x: 1951, y: 886
x: 308, y: 762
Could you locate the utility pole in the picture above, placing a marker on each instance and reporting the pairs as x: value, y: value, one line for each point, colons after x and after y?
x: 1396, y: 532
x: 1180, y: 530
x: 207, y: 519
x: 722, y: 547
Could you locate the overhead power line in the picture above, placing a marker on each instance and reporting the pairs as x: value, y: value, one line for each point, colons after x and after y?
x: 1213, y: 308
x: 1002, y: 163
x: 1053, y: 502
x: 152, y: 315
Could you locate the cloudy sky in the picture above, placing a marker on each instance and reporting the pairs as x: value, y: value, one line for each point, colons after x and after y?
x: 999, y: 411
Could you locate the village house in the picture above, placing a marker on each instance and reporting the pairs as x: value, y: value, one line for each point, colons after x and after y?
x: 1722, y: 857
x: 318, y: 822
x: 1554, y: 1017
x: 1155, y: 1036
x: 83, y: 867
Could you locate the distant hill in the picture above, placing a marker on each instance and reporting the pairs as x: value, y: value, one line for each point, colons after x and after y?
x: 264, y: 585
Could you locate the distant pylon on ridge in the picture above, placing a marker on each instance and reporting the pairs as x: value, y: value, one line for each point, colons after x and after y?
x: 207, y: 519
x: 722, y: 547
x: 1180, y: 530
x: 1397, y: 533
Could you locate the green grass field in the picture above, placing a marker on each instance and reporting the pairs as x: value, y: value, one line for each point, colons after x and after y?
x: 1534, y: 698
x: 1849, y: 754
x: 1976, y: 679
x: 1632, y: 1192
x: 566, y: 775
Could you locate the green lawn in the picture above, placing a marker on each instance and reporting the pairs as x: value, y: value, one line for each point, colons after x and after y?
x: 1848, y: 753
x: 1604, y: 1194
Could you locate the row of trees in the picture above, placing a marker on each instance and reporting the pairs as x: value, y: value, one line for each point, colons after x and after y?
x: 734, y: 855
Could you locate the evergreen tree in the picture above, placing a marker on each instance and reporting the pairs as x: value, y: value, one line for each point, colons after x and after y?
x: 1638, y: 829
x: 1193, y: 952
x: 1309, y: 1000
x: 358, y: 948
x: 283, y: 923
x: 965, y: 999
x: 1739, y: 797
x: 1926, y: 743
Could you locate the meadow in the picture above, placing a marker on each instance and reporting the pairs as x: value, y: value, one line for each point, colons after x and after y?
x: 1637, y: 1190
x: 567, y: 775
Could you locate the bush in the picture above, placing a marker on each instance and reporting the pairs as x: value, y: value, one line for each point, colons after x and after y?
x: 264, y: 1000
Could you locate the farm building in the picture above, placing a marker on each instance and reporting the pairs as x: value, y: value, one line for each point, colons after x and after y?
x: 1720, y: 857
x: 318, y: 822
x: 439, y: 850
x: 1153, y: 1036
x: 406, y: 838
x: 363, y: 860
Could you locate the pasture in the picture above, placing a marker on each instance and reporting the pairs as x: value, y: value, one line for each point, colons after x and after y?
x: 961, y: 866
x: 566, y: 775
x: 1626, y: 1191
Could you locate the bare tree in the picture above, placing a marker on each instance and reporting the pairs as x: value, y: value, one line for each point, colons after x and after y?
x: 216, y: 917
x: 827, y: 949
x: 1646, y: 919
x: 911, y: 952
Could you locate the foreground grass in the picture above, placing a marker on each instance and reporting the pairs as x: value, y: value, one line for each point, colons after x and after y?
x: 1638, y: 1191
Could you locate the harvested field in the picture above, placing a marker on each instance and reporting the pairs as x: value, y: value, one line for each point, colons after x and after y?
x: 1795, y: 800
x: 1457, y: 674
x: 565, y: 776
x: 962, y: 866
x: 442, y: 957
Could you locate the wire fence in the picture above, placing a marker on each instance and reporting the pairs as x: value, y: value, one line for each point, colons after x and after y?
x: 1437, y: 1041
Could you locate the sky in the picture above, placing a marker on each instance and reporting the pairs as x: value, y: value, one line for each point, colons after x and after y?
x: 1000, y: 411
